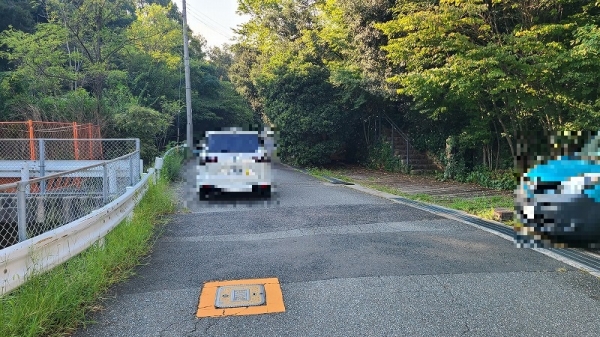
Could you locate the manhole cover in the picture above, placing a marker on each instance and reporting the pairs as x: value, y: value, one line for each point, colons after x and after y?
x: 240, y: 296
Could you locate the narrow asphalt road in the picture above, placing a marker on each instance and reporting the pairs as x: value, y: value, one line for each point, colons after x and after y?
x: 349, y: 264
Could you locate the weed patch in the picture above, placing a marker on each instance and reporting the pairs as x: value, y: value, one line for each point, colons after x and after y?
x: 172, y: 164
x: 321, y: 173
x: 56, y: 302
x: 381, y: 157
x: 481, y: 206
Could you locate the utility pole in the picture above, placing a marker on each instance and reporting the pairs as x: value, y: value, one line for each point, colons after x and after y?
x: 188, y: 85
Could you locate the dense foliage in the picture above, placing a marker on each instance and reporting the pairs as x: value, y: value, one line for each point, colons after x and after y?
x: 117, y: 64
x: 473, y: 75
x: 481, y: 73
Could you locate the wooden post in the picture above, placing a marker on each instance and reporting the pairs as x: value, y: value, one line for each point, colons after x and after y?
x: 76, y: 143
x: 90, y: 144
x: 31, y: 142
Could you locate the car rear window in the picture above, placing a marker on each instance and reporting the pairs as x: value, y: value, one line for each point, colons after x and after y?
x: 232, y: 143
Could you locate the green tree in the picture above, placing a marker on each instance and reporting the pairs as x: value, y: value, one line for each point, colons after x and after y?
x: 495, y: 67
x: 96, y: 34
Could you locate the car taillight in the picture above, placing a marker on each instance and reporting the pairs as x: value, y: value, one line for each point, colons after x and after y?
x: 208, y: 160
x: 261, y: 159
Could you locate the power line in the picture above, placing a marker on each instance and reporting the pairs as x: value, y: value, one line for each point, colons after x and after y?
x: 198, y: 12
x: 212, y: 28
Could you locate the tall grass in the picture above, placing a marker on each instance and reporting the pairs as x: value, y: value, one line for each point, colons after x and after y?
x: 56, y: 302
x: 172, y: 164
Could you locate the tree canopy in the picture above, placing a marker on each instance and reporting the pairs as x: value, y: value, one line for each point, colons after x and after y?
x: 117, y: 64
x: 479, y: 74
x: 484, y: 71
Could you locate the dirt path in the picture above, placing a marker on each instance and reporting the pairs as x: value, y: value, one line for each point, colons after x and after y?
x: 414, y: 184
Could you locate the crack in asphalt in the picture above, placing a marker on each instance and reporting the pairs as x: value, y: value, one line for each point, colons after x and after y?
x: 468, y: 329
x: 190, y: 333
x: 209, y: 324
x: 167, y: 330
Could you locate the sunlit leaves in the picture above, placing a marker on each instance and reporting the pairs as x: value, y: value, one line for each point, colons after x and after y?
x: 41, y: 56
x: 155, y: 33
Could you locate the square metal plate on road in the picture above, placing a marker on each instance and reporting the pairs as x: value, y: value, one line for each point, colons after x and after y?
x: 240, y: 296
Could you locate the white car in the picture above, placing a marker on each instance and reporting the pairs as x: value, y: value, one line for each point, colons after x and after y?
x: 234, y: 161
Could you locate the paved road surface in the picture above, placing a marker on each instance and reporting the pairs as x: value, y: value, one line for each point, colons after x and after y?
x: 350, y: 264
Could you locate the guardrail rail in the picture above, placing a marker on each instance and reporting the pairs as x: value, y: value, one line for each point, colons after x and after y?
x: 46, y: 220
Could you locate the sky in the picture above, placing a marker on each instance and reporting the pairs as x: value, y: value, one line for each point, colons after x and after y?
x: 213, y: 19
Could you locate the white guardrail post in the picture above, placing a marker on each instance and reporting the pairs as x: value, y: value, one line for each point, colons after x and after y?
x: 21, y: 212
x: 158, y: 164
x: 104, y: 184
x: 42, y: 150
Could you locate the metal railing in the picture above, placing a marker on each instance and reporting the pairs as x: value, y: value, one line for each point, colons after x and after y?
x: 47, y: 156
x: 395, y: 130
x: 45, y: 194
x: 404, y: 136
x: 53, y: 247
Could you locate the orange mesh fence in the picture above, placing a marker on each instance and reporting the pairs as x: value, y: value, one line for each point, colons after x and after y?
x: 81, y: 149
x: 56, y: 130
x: 20, y: 141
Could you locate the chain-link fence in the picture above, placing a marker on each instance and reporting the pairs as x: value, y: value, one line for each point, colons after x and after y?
x: 49, y: 156
x: 42, y: 194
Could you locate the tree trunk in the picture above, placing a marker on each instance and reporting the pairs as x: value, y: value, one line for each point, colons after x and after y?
x: 508, y: 137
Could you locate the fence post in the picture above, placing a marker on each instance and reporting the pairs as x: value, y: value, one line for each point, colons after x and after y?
x: 105, y: 183
x: 158, y: 164
x: 31, y: 141
x: 25, y: 176
x: 75, y: 140
x: 21, y: 211
x: 131, y: 183
x: 42, y: 149
x: 139, y: 156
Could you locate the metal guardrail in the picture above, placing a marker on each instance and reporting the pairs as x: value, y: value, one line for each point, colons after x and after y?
x: 51, y: 248
x: 33, y: 206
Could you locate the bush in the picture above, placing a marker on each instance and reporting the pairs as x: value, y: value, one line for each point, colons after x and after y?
x: 381, y: 157
x: 172, y: 163
x: 56, y: 302
x: 499, y: 180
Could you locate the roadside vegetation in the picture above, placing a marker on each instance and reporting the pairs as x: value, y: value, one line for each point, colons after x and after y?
x: 482, y: 87
x: 172, y: 163
x: 479, y: 206
x: 116, y: 64
x: 56, y: 302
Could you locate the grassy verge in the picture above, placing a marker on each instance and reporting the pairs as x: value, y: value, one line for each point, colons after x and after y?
x: 481, y: 206
x: 56, y: 302
x: 321, y: 173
